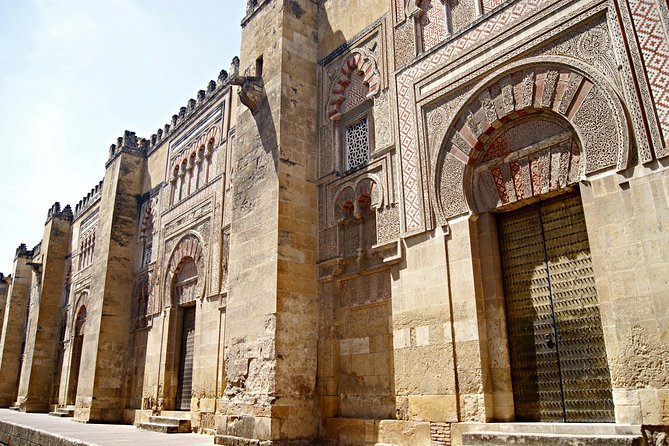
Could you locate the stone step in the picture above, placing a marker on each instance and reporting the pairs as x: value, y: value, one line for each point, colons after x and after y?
x: 167, y: 425
x: 15, y: 408
x: 556, y: 428
x: 63, y: 412
x: 162, y: 428
x: 172, y: 421
x: 548, y: 439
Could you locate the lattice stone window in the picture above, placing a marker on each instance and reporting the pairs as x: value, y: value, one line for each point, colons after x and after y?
x: 357, y: 144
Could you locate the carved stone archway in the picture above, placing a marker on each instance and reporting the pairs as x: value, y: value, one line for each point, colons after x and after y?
x: 556, y: 90
x: 189, y: 247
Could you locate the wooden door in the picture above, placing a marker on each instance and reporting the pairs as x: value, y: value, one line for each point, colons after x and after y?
x: 185, y: 374
x: 558, y: 359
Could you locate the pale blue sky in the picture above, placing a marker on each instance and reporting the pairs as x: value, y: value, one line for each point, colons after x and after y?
x: 75, y: 73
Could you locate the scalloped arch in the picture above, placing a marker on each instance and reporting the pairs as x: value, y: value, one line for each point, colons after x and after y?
x: 190, y: 246
x: 81, y: 301
x: 366, y: 65
x: 559, y: 86
x: 349, y: 192
x: 207, y: 140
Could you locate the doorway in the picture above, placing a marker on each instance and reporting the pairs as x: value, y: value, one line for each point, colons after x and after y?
x: 558, y: 359
x: 187, y: 347
x: 75, y: 361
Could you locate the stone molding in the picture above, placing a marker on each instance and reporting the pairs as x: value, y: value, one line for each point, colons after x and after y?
x: 558, y: 85
x: 190, y: 245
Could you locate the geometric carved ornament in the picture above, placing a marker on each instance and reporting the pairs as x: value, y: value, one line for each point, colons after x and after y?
x: 358, y: 63
x: 187, y: 254
x: 532, y: 128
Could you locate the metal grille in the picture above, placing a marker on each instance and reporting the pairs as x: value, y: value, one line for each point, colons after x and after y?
x: 185, y: 378
x: 357, y: 144
x: 559, y: 366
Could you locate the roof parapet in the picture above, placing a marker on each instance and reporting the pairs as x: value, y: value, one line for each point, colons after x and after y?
x: 88, y: 200
x: 5, y: 280
x: 23, y: 251
x: 192, y: 106
x: 56, y: 212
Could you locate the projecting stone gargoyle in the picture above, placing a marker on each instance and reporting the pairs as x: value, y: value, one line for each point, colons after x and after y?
x: 250, y: 91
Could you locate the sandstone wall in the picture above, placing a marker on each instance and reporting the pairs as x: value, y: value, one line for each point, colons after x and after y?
x: 13, y: 327
x: 628, y: 236
x: 41, y: 348
x: 340, y: 20
x: 100, y: 393
x: 270, y: 315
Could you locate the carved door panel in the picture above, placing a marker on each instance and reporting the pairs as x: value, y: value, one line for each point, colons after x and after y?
x: 558, y: 360
x: 185, y: 376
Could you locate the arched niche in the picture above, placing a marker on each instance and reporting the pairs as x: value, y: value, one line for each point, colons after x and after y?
x: 80, y: 304
x: 187, y: 259
x: 527, y: 113
x: 355, y: 207
x: 351, y: 195
x: 80, y: 321
x: 185, y: 283
x: 76, y: 348
x: 358, y: 75
x: 534, y: 155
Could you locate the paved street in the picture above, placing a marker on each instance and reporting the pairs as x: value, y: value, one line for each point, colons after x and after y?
x: 101, y: 434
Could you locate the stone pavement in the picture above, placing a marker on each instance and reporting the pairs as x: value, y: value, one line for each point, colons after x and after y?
x: 90, y: 434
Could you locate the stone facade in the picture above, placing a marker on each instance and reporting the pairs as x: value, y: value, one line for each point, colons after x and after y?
x: 391, y: 222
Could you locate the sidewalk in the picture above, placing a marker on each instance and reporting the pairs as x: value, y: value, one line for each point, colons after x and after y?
x: 49, y: 428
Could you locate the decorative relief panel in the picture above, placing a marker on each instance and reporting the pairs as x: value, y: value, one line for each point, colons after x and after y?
x: 590, y: 43
x: 653, y: 41
x: 184, y: 287
x: 489, y: 5
x: 148, y: 228
x: 597, y: 129
x: 414, y: 219
x: 383, y: 124
x: 186, y: 219
x: 327, y: 243
x: 405, y: 43
x: 561, y: 89
x: 432, y: 23
x: 325, y: 155
x: 191, y: 167
x: 462, y: 14
x: 366, y: 289
x: 450, y: 190
x: 225, y: 258
x: 188, y: 250
x: 529, y: 158
x: 638, y: 101
x: 356, y: 92
x: 388, y: 224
